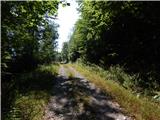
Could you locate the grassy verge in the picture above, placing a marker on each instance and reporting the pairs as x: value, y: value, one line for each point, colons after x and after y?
x: 33, y: 91
x: 69, y: 73
x: 140, y: 108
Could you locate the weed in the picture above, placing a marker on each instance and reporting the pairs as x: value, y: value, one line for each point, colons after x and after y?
x: 141, y: 108
x: 33, y: 92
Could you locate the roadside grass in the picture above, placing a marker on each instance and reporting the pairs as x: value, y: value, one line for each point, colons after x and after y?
x: 78, y: 96
x: 140, y: 108
x: 33, y: 91
x: 69, y: 73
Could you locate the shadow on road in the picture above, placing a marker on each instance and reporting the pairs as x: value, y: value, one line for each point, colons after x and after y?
x: 77, y: 99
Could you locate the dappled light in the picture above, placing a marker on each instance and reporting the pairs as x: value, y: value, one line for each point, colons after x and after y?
x: 80, y: 60
x: 76, y: 98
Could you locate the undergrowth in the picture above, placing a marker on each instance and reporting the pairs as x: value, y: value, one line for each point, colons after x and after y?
x: 33, y: 91
x: 69, y: 73
x: 141, y: 108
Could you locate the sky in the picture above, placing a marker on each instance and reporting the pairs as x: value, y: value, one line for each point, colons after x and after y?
x: 67, y: 16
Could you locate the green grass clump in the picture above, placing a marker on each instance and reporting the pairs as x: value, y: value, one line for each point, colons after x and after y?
x: 140, y: 108
x: 33, y: 91
x: 70, y: 74
x: 53, y: 68
x: 29, y: 107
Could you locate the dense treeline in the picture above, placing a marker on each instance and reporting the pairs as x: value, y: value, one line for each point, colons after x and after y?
x: 64, y: 53
x: 26, y: 33
x: 28, y: 38
x: 123, y: 33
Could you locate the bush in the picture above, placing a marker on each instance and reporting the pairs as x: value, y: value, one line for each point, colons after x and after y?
x: 31, y: 93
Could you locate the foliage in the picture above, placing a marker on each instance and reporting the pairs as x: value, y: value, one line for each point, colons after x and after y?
x: 140, y: 108
x: 33, y: 91
x: 47, y: 44
x: 64, y: 53
x: 124, y: 33
x: 20, y: 21
x: 28, y: 38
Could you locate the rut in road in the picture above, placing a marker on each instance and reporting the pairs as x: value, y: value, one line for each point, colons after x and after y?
x: 76, y: 98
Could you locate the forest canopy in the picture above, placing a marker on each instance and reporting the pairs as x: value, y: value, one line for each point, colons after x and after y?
x: 120, y: 40
x: 25, y: 32
x: 124, y: 33
x: 28, y: 38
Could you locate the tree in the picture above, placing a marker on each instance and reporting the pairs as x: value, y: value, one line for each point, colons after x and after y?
x: 47, y: 43
x: 124, y: 32
x: 64, y: 53
x: 19, y: 42
x: 20, y: 21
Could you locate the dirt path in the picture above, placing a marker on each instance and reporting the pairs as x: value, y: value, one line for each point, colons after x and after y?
x: 77, y: 99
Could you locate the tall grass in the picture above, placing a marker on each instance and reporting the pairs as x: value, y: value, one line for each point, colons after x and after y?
x: 69, y: 73
x: 140, y: 108
x: 33, y: 91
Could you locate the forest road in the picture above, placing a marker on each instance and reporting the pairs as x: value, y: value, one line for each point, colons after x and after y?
x: 75, y: 98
